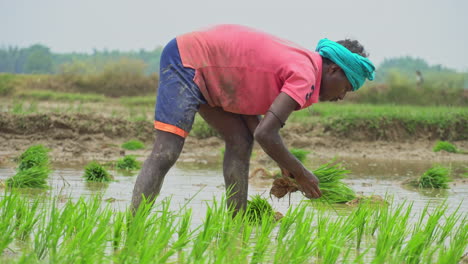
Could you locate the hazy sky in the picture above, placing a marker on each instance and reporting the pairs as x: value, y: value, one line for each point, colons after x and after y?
x: 433, y: 30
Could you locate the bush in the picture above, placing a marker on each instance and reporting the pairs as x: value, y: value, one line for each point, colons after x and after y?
x: 124, y: 77
x: 6, y: 84
x: 402, y: 90
x: 133, y: 145
x: 97, y: 173
x: 128, y: 162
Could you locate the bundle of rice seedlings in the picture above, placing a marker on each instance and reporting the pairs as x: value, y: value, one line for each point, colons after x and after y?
x: 333, y: 189
x: 330, y: 176
x: 446, y: 146
x: 257, y: 208
x: 96, y: 172
x: 34, y: 156
x: 33, y: 169
x: 128, y: 162
x: 133, y: 145
x: 35, y: 177
x: 436, y: 177
x: 300, y: 154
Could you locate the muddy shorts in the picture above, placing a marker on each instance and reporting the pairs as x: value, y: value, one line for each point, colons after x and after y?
x: 179, y: 98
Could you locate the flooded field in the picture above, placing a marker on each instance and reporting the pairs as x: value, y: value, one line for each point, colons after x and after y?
x: 75, y: 219
x: 195, y: 184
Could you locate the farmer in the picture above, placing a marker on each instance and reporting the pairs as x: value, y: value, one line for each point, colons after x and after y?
x: 231, y: 75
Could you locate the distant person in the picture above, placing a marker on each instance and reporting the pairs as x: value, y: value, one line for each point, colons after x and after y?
x: 419, y: 79
x: 231, y: 75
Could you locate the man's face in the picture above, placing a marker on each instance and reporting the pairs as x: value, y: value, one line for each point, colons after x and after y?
x: 334, y: 85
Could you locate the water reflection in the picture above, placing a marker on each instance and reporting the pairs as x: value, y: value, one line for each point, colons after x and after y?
x: 196, y: 184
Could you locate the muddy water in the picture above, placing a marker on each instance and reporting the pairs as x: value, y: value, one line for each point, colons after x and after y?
x: 195, y: 185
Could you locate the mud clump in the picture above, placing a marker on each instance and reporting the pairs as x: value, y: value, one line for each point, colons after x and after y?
x: 282, y: 186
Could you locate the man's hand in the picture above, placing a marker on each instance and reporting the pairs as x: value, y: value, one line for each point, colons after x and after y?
x: 308, y: 184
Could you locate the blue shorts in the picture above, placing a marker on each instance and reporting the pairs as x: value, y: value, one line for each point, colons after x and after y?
x: 179, y: 98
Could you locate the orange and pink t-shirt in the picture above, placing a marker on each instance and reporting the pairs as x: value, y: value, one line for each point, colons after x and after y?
x: 243, y: 70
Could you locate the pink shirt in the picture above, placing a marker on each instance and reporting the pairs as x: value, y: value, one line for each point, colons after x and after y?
x: 243, y: 70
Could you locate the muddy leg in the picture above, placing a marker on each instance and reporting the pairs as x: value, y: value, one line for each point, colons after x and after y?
x: 239, y: 142
x: 166, y: 151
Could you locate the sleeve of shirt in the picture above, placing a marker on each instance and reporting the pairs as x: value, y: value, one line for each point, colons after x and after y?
x: 299, y: 80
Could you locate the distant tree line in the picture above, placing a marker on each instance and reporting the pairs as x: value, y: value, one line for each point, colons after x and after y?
x: 38, y: 59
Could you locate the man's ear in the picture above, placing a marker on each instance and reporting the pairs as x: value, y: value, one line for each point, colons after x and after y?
x: 333, y: 68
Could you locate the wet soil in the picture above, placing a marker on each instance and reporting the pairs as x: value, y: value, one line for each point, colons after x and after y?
x: 78, y: 138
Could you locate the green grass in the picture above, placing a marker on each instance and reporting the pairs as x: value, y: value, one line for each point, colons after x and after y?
x: 7, y: 84
x: 201, y: 129
x: 133, y: 144
x: 45, y: 95
x: 148, y: 101
x: 300, y: 154
x: 380, y: 121
x: 95, y: 172
x: 445, y: 146
x: 128, y: 162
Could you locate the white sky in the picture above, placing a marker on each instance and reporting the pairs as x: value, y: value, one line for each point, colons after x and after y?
x: 433, y: 30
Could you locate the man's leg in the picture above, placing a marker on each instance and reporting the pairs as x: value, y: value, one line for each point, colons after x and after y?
x: 239, y: 142
x: 166, y: 151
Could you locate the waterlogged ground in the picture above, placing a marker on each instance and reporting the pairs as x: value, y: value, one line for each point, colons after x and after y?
x: 195, y: 184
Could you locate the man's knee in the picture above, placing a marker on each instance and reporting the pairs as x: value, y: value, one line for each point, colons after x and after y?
x: 240, y: 143
x: 165, y: 158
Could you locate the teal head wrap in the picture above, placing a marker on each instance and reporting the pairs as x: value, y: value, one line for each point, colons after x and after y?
x: 356, y: 67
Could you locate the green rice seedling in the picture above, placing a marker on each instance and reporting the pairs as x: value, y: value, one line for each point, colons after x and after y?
x: 89, y: 240
x: 128, y: 163
x: 392, y: 231
x: 436, y: 177
x: 332, y: 235
x: 423, y: 235
x: 330, y: 176
x: 7, y: 224
x: 34, y: 156
x: 258, y: 208
x: 296, y: 236
x: 133, y: 144
x: 359, y: 219
x: 456, y: 248
x: 333, y: 189
x: 446, y: 146
x: 262, y: 238
x: 26, y: 218
x: 95, y: 172
x: 35, y: 177
x: 300, y: 154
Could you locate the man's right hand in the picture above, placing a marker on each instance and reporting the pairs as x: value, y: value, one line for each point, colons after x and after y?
x: 308, y: 184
